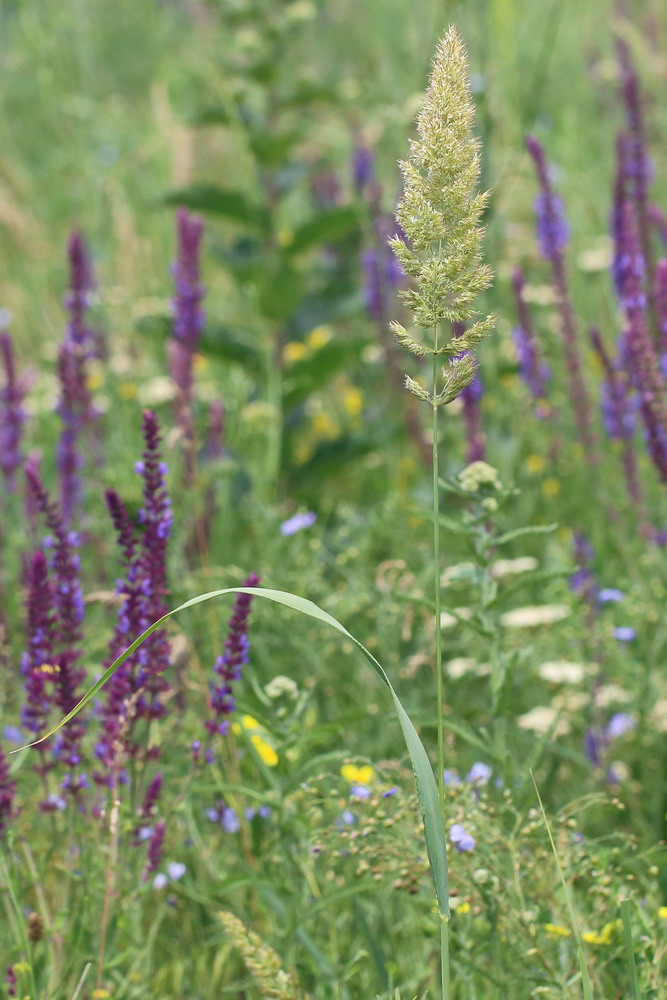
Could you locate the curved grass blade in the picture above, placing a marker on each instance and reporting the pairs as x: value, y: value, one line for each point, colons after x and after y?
x: 427, y: 793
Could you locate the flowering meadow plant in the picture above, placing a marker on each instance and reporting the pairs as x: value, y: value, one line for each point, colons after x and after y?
x: 217, y: 797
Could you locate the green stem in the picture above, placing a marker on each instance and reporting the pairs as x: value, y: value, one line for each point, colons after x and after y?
x: 440, y: 695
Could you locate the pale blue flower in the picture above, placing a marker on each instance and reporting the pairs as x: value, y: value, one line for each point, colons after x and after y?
x: 297, y: 523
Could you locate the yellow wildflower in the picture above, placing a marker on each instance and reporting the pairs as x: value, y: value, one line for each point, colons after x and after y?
x: 127, y: 390
x: 557, y: 930
x: 94, y: 380
x: 266, y: 752
x: 285, y: 237
x: 48, y: 668
x: 603, y: 937
x: 534, y: 464
x: 294, y: 350
x: 463, y: 908
x: 662, y: 913
x: 550, y: 487
x: 318, y: 337
x: 353, y: 401
x: 100, y: 994
x: 324, y: 426
x: 363, y: 775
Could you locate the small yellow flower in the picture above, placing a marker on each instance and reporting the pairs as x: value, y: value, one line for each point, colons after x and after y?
x: 550, y: 487
x: 353, y: 401
x: 363, y: 775
x: 662, y: 913
x: 463, y: 908
x: 324, y: 426
x: 100, y: 994
x: 266, y: 752
x: 605, y: 936
x: 285, y: 237
x: 128, y: 390
x: 20, y: 967
x: 293, y: 351
x: 557, y: 930
x: 199, y: 362
x: 534, y: 464
x: 318, y: 337
x: 94, y: 380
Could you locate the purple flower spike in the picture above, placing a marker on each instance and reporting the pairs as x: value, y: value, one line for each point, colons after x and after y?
x: 155, y: 849
x: 637, y: 350
x: 12, y: 414
x: 362, y: 167
x: 155, y: 517
x: 552, y: 237
x: 38, y: 663
x: 228, y: 667
x: 534, y: 372
x: 298, y: 523
x: 462, y: 841
x: 68, y: 603
x: 187, y: 326
x: 81, y: 285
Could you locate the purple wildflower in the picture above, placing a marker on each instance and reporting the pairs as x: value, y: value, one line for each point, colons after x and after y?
x: 362, y: 167
x: 7, y: 793
x: 11, y: 980
x: 620, y: 724
x: 610, y: 595
x: 12, y: 414
x: 472, y: 414
x: 38, y: 663
x: 155, y: 849
x: 225, y: 816
x: 155, y: 517
x: 625, y: 633
x: 478, y: 774
x: 534, y: 372
x: 68, y: 603
x: 215, y: 436
x: 187, y: 326
x: 298, y: 523
x: 637, y: 163
x: 461, y: 839
x: 552, y: 236
x: 659, y: 220
x: 77, y: 299
x: 661, y: 310
x: 450, y: 777
x: 147, y: 810
x: 582, y: 581
x: 637, y: 351
x: 228, y: 667
x: 360, y: 792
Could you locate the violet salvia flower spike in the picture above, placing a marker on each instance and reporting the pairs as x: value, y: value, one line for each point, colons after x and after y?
x: 553, y: 235
x: 68, y: 602
x: 7, y: 793
x: 228, y: 667
x: 659, y: 221
x: 533, y: 370
x: 130, y: 623
x: 12, y: 414
x: 155, y: 517
x: 77, y: 299
x: 187, y: 325
x: 637, y: 350
x: 39, y: 663
x: 661, y: 310
x: 472, y: 415
x: 155, y: 849
x: 618, y: 417
x: 75, y: 406
x: 637, y: 164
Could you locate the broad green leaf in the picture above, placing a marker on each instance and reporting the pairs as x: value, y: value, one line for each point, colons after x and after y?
x: 218, y: 201
x: 427, y: 792
x: 327, y: 227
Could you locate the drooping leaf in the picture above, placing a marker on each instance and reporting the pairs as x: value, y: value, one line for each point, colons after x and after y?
x: 427, y: 792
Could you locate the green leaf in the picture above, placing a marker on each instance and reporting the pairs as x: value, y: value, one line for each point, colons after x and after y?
x: 308, y: 375
x: 216, y: 115
x: 327, y: 227
x: 531, y: 529
x: 218, y: 201
x: 232, y: 345
x: 427, y: 793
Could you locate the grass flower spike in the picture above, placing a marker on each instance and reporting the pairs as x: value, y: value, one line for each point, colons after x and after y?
x: 440, y: 214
